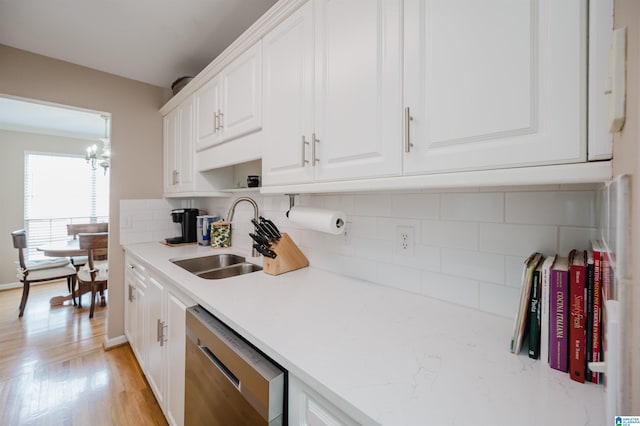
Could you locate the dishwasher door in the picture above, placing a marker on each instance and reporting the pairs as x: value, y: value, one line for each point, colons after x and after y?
x: 227, y: 381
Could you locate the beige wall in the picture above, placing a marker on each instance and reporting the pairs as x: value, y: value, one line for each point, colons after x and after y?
x: 13, y: 146
x: 136, y: 136
x: 626, y: 156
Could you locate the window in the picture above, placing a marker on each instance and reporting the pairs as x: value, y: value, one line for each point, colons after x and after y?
x: 61, y: 189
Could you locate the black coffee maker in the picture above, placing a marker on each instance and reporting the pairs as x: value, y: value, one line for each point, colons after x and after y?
x: 187, y: 219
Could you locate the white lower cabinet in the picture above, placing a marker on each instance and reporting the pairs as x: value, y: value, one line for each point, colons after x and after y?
x: 308, y: 408
x: 175, y: 350
x: 155, y: 337
x: 134, y: 318
x: 155, y: 327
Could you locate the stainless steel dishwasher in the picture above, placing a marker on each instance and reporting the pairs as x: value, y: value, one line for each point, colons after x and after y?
x: 227, y: 381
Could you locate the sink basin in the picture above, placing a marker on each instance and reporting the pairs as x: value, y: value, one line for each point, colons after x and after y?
x: 197, y: 265
x: 217, y: 266
x: 230, y: 271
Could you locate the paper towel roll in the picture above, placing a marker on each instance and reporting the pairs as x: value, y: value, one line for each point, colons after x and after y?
x: 329, y: 221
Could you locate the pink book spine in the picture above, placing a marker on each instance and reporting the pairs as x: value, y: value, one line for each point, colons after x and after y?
x: 558, y: 317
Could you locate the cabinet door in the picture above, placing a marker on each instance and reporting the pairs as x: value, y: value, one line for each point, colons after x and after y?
x: 185, y: 147
x: 134, y: 309
x: 207, y: 106
x: 155, y: 331
x: 171, y: 154
x: 241, y: 85
x: 308, y: 408
x: 288, y: 99
x: 358, y: 89
x: 176, y: 339
x: 140, y: 326
x: 494, y: 84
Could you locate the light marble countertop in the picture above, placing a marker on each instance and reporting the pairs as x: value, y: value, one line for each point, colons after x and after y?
x: 383, y: 355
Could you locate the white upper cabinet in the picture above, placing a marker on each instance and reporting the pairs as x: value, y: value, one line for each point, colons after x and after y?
x: 333, y: 85
x: 358, y: 89
x: 230, y: 104
x: 494, y: 84
x: 288, y: 79
x: 171, y: 140
x: 179, y: 148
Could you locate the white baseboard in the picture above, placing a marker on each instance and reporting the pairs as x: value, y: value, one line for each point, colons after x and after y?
x: 116, y: 341
x: 9, y: 286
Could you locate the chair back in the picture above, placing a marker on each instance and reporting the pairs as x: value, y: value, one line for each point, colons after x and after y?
x: 96, y: 245
x: 20, y: 242
x: 73, y: 229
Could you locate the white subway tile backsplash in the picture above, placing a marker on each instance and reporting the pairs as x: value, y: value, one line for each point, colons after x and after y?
x: 451, y: 289
x: 469, y: 243
x: 517, y: 239
x: 367, y: 205
x: 419, y: 206
x: 575, y: 238
x: 400, y: 277
x: 474, y: 264
x: 481, y: 207
x: 424, y: 257
x: 571, y: 208
x: 514, y: 265
x: 367, y: 248
x: 499, y: 299
x: 462, y: 235
x: 362, y: 226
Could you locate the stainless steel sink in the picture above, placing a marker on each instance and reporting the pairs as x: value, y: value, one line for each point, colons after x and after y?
x: 217, y: 266
x: 230, y: 271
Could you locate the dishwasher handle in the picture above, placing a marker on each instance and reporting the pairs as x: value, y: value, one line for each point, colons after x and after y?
x: 220, y: 365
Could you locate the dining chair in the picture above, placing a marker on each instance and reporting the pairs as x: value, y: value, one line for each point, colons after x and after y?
x: 41, y: 270
x: 94, y: 275
x: 73, y: 229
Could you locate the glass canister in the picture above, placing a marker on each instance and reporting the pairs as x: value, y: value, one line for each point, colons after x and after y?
x: 220, y: 235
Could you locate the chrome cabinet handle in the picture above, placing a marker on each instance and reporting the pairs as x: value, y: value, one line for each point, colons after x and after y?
x: 407, y: 130
x: 131, y: 293
x: 220, y: 117
x: 216, y: 120
x: 158, y: 331
x: 163, y: 339
x: 304, y: 149
x: 314, y: 142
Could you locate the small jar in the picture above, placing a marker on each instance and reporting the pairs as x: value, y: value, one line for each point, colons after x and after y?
x: 253, y: 181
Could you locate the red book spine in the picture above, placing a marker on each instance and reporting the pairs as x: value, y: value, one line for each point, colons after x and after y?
x: 577, y: 330
x: 597, y: 304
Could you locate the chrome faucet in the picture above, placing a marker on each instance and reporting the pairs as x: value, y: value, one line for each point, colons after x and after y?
x: 232, y: 210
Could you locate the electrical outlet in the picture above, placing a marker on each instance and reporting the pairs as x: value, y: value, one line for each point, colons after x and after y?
x: 405, y: 240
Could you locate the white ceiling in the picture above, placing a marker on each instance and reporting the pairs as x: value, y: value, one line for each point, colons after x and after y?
x: 152, y: 41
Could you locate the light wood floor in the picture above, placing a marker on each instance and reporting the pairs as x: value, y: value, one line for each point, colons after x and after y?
x: 54, y: 371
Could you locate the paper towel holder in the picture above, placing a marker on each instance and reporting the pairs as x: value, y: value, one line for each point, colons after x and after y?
x: 292, y: 201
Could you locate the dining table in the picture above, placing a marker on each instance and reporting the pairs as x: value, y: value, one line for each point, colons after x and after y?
x: 66, y: 248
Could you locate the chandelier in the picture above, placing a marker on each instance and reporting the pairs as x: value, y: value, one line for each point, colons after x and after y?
x: 102, y: 159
